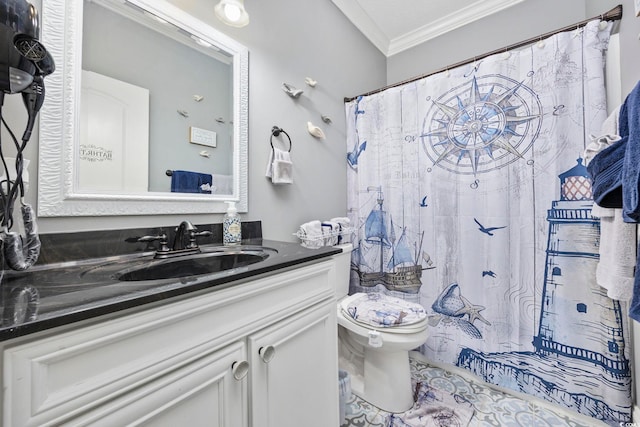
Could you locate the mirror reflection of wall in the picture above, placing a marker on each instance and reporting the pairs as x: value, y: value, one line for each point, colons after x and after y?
x: 175, y: 76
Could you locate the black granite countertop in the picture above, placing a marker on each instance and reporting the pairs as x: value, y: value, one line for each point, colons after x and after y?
x: 60, y: 293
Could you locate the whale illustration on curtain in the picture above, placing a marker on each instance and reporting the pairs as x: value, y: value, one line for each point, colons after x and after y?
x: 471, y: 197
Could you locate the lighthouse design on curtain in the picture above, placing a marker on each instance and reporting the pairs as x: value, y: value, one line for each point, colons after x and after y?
x: 572, y: 250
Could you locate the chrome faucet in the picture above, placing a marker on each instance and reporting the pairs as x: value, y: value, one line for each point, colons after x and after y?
x: 186, y: 230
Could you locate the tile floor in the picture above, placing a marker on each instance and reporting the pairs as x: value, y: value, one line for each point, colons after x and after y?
x: 492, y: 407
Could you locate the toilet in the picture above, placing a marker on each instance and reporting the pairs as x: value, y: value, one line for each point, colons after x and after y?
x: 374, y: 329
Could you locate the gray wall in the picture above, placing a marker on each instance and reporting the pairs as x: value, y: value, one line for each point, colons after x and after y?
x: 287, y: 41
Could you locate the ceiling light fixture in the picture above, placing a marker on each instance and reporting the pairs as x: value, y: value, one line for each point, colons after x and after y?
x: 232, y: 13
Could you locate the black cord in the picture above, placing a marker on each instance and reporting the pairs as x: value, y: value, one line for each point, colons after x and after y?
x: 17, y: 185
x: 3, y: 195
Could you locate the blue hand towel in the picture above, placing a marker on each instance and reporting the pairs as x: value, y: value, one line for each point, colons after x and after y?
x: 190, y: 182
x: 615, y: 171
x: 634, y: 307
x: 630, y: 128
x: 606, y: 175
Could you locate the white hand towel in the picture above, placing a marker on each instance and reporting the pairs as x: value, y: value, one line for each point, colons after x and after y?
x: 616, y: 266
x: 615, y: 271
x: 311, y: 234
x: 280, y: 167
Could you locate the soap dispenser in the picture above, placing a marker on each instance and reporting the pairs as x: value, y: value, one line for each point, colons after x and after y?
x: 231, y: 229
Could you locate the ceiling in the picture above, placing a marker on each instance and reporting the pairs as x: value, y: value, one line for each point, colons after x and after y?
x: 395, y: 25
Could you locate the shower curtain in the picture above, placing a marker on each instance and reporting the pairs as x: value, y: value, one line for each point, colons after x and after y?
x: 470, y: 196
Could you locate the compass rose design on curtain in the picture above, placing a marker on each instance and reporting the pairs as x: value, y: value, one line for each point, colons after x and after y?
x: 482, y: 124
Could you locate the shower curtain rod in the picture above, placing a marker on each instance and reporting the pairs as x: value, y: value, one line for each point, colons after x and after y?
x: 614, y: 14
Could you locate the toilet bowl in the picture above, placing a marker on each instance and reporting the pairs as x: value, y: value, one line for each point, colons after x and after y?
x: 385, y: 340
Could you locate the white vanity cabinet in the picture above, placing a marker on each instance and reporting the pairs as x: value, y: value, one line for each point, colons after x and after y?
x: 293, y: 374
x: 259, y: 353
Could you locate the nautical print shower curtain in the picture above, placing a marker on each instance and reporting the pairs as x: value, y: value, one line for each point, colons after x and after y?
x: 470, y: 196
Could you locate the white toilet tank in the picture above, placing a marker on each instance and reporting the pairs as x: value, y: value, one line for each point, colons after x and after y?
x: 343, y: 270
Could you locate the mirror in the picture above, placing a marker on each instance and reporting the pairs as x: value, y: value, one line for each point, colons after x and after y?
x: 197, y: 113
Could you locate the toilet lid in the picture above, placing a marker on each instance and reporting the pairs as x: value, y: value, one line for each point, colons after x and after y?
x: 383, y: 311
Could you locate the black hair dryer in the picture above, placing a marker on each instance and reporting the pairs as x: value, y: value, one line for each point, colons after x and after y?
x: 24, y: 62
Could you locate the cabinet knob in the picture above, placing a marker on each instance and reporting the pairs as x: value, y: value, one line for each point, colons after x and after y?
x: 240, y: 369
x: 267, y: 353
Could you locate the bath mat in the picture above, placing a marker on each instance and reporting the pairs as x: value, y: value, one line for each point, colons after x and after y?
x: 434, y: 408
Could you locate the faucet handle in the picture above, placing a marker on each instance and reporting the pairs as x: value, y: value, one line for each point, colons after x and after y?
x: 164, y: 244
x: 193, y: 234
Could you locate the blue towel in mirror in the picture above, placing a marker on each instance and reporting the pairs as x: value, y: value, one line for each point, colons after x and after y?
x: 191, y: 182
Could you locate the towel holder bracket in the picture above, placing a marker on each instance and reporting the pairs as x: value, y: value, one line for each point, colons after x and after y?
x: 276, y: 131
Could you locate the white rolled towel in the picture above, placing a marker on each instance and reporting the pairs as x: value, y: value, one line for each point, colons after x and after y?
x: 331, y: 232
x: 344, y: 224
x: 311, y: 234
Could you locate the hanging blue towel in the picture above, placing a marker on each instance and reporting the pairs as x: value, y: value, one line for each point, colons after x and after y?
x: 606, y: 175
x: 630, y: 129
x: 630, y: 178
x: 190, y: 182
x: 615, y: 171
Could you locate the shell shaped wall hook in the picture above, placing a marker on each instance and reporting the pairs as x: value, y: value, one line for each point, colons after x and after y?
x: 315, y: 131
x: 326, y: 119
x: 291, y: 91
x: 205, y: 153
x: 183, y: 113
x: 198, y: 98
x: 220, y: 120
x: 310, y: 82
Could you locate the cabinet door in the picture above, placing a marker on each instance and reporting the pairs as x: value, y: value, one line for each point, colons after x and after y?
x: 294, y: 371
x: 210, y: 391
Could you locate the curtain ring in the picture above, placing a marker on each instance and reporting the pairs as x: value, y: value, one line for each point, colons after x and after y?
x: 275, y: 131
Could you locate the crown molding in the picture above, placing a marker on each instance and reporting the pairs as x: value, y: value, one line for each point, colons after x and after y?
x: 448, y: 23
x: 358, y: 17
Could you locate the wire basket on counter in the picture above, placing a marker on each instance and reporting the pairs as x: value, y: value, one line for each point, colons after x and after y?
x: 328, y: 238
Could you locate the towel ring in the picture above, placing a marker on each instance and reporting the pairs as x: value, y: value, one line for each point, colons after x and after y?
x: 275, y: 131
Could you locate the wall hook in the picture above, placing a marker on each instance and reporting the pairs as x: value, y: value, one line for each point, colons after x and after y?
x: 326, y: 119
x: 310, y: 82
x: 291, y: 90
x: 315, y: 131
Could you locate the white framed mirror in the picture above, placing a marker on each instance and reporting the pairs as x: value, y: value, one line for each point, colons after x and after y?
x: 85, y: 171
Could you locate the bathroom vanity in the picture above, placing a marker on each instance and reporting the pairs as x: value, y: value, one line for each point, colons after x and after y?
x: 252, y: 346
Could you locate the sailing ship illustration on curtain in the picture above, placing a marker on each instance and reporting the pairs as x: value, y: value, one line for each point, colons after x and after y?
x: 396, y: 263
